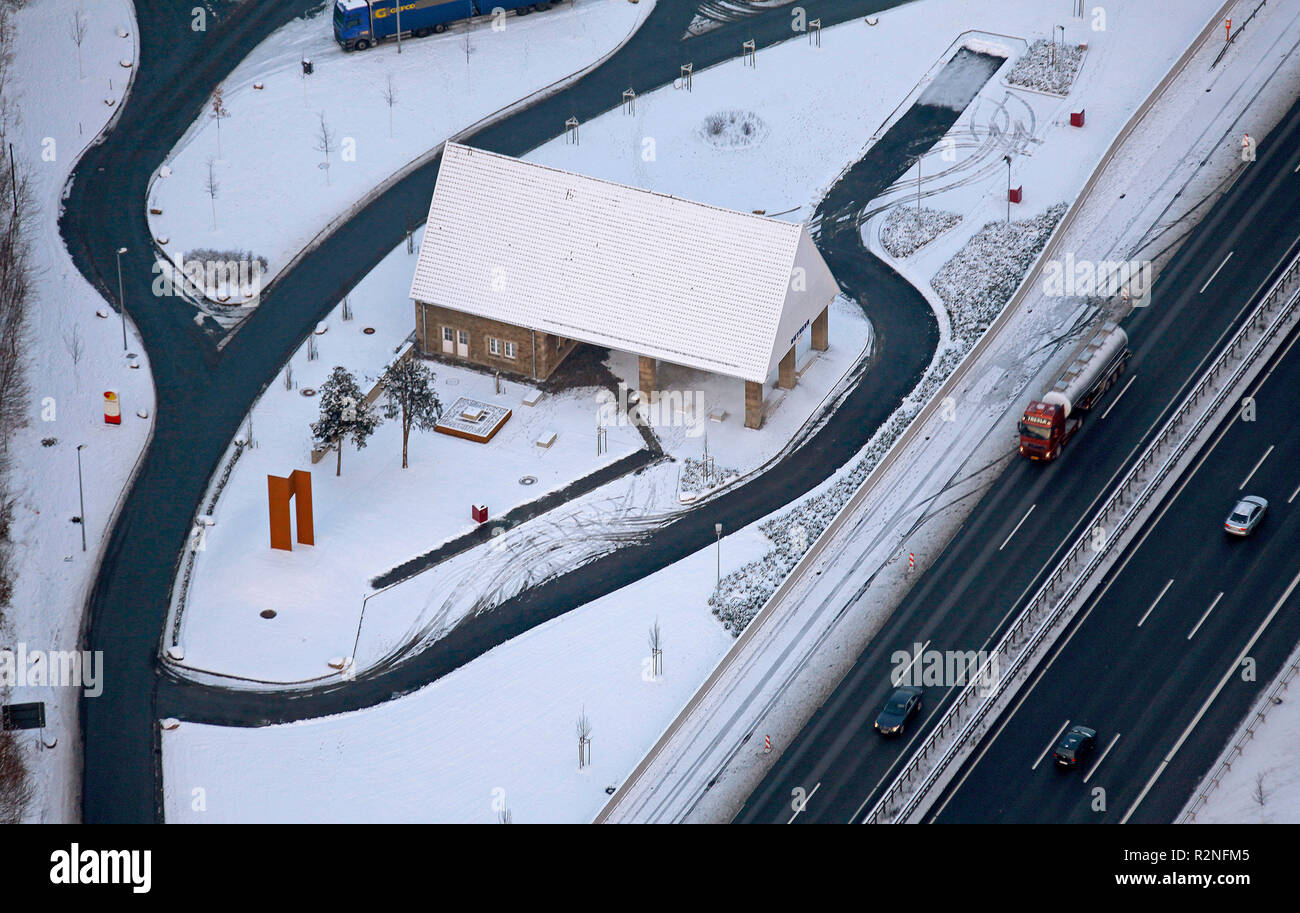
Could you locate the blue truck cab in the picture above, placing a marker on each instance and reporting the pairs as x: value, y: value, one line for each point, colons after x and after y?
x: 358, y: 24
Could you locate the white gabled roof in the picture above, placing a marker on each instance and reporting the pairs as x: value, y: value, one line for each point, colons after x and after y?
x: 616, y: 266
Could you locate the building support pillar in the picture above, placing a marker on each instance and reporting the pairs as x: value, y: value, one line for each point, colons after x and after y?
x: 821, y: 339
x: 753, y: 404
x: 785, y: 376
x: 648, y: 372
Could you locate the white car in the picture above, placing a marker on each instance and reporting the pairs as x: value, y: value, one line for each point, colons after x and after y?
x: 1245, y: 516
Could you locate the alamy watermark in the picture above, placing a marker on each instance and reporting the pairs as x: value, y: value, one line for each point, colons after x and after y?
x: 943, y: 668
x: 664, y: 408
x: 24, y: 668
x: 222, y: 280
x: 1104, y: 278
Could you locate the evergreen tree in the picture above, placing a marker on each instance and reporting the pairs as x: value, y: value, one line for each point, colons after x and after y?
x: 408, y: 392
x: 344, y: 413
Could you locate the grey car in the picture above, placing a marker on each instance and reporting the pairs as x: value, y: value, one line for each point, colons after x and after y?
x: 902, y: 705
x: 1245, y: 516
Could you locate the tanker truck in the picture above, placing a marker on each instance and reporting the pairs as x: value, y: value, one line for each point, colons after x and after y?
x: 1051, y: 421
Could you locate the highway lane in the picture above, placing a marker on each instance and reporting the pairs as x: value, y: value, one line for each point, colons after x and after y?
x: 1152, y: 647
x: 1015, y: 534
x: 203, y: 393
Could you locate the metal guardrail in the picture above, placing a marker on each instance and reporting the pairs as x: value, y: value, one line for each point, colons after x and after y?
x: 1035, y: 624
x: 1258, y: 716
x: 913, y: 431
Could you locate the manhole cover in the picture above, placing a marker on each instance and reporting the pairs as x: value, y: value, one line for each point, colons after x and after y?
x: 528, y: 480
x: 369, y: 331
x: 308, y: 391
x: 267, y: 613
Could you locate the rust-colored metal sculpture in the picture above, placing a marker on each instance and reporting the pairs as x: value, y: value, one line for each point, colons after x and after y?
x: 279, y: 491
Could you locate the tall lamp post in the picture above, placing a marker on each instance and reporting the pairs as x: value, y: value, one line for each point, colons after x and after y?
x: 717, y: 531
x: 1007, y: 159
x: 81, y: 498
x: 121, y: 301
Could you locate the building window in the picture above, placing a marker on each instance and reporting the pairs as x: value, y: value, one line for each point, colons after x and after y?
x: 464, y: 337
x: 510, y: 350
x: 447, y: 334
x: 494, y: 345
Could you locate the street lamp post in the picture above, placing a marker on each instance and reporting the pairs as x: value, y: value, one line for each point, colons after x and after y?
x: 717, y: 531
x: 121, y: 301
x: 81, y: 498
x: 918, y: 185
x: 1007, y: 159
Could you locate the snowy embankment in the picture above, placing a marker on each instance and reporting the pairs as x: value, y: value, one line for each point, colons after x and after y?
x: 907, y: 230
x: 1260, y: 784
x: 1047, y: 67
x: 295, y: 152
x: 71, y: 356
x: 338, y: 757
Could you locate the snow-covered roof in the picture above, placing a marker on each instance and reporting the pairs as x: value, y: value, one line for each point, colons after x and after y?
x: 617, y: 266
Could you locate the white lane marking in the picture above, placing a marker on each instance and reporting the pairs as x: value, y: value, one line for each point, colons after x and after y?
x: 1232, y: 670
x: 1079, y: 624
x: 1056, y: 738
x: 906, y: 750
x: 804, y: 803
x: 1293, y: 494
x: 1018, y: 525
x: 1256, y: 469
x: 915, y: 659
x: 1093, y: 770
x: 1154, y: 604
x: 1276, y: 363
x: 1216, y: 272
x: 1121, y: 394
x: 1192, y: 632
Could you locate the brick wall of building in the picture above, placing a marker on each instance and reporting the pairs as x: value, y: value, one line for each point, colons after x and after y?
x: 430, y: 320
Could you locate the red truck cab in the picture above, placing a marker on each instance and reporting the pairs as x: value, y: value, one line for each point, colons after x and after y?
x: 1042, y: 431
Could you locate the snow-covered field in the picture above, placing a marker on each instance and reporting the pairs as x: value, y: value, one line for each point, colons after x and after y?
x: 273, y: 197
x: 496, y: 735
x: 72, y: 357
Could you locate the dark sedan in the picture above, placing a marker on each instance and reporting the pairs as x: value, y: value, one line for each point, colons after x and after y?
x: 902, y: 705
x: 1075, y: 747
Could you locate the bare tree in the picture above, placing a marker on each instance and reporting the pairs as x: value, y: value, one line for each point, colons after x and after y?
x: 16, y: 789
x: 1259, y: 795
x: 219, y: 113
x: 212, y: 188
x: 583, y: 729
x: 73, y: 343
x: 10, y: 115
x: 77, y: 32
x: 656, y: 650
x: 390, y: 99
x: 324, y: 143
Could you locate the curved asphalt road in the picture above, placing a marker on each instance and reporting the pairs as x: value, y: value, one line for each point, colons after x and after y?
x: 203, y: 395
